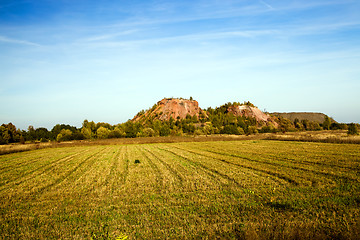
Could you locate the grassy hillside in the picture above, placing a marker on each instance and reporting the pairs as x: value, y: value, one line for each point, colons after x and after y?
x: 231, y: 190
x: 311, y: 116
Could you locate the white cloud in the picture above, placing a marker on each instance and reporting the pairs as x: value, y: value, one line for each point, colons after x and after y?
x: 110, y: 36
x: 267, y: 5
x: 17, y: 41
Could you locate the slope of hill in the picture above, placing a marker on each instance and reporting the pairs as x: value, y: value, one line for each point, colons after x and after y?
x: 176, y: 108
x: 245, y: 110
x: 311, y: 116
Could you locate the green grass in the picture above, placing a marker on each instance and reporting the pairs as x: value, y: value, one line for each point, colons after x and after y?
x: 191, y: 190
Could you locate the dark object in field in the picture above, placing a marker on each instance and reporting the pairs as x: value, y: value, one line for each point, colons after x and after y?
x: 137, y: 161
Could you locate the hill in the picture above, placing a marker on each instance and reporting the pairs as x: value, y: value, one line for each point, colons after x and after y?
x: 310, y: 116
x: 250, y: 111
x: 179, y: 108
x: 167, y: 108
x: 179, y: 117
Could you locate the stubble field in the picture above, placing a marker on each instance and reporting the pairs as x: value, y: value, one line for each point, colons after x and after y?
x: 227, y: 190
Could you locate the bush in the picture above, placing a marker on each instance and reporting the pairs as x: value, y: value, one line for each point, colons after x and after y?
x: 252, y: 130
x: 230, y: 129
x: 267, y: 129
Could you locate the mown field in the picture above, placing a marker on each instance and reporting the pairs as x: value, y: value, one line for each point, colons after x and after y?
x: 201, y: 190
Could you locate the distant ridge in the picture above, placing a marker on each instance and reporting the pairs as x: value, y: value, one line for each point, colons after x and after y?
x: 180, y: 108
x: 311, y: 116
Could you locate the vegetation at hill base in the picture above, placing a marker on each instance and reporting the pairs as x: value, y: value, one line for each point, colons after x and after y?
x: 211, y: 121
x: 353, y: 129
x: 195, y: 190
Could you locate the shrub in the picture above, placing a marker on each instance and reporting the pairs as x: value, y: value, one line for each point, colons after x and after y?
x: 252, y: 130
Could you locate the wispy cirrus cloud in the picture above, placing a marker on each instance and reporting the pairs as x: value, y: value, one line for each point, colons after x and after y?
x: 108, y: 36
x: 191, y: 38
x: 18, y: 41
x: 267, y: 5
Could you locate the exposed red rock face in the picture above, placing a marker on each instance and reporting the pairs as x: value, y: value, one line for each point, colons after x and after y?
x: 172, y: 107
x: 254, y: 112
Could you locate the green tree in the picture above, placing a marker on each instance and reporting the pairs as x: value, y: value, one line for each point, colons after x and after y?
x: 286, y: 125
x: 208, y: 129
x: 327, y: 123
x: 165, y: 130
x: 176, y: 131
x: 42, y: 134
x: 31, y: 134
x: 252, y: 130
x: 198, y: 132
x: 64, y: 135
x: 298, y: 124
x: 117, y: 133
x: 59, y: 127
x: 131, y: 129
x: 87, y: 133
x: 102, y: 133
x: 230, y: 129
x: 352, y: 129
x: 148, y: 132
x: 241, y: 131
x: 10, y: 134
x: 4, y: 136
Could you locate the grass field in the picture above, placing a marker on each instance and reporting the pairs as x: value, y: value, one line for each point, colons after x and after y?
x: 251, y: 189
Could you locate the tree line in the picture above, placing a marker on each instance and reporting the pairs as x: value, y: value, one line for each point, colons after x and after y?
x: 212, y: 121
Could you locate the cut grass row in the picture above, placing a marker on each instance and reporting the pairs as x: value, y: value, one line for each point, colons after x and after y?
x: 235, y: 189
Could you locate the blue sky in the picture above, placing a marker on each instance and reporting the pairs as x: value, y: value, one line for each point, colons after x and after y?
x: 63, y: 61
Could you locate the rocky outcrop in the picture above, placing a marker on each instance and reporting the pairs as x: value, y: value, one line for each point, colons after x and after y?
x: 253, y: 112
x: 176, y: 108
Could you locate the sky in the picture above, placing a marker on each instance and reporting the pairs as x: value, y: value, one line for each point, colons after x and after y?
x: 64, y: 61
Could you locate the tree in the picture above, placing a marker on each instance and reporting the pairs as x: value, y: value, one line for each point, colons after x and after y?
x: 102, y: 133
x: 148, y: 132
x: 194, y: 119
x: 326, y: 124
x: 286, y: 125
x: 4, y: 136
x: 131, y: 129
x: 117, y: 133
x: 165, y: 130
x: 87, y: 132
x: 208, y: 129
x: 352, y: 129
x: 10, y: 134
x: 241, y: 131
x: 198, y: 132
x: 42, y: 134
x: 252, y: 130
x: 230, y: 129
x: 59, y: 127
x: 64, y: 135
x: 266, y: 129
x: 298, y: 124
x: 31, y: 134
